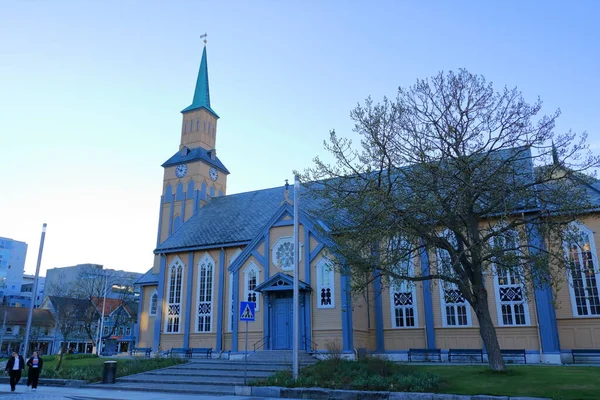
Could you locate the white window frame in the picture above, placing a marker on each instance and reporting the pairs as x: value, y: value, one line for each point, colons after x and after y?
x: 323, y: 264
x: 205, y: 294
x: 251, y: 268
x: 593, y: 257
x: 153, y: 295
x: 443, y: 286
x: 289, y: 258
x: 404, y: 287
x: 508, y: 275
x: 175, y: 271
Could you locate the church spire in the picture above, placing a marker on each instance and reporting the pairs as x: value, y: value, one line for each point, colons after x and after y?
x: 202, y: 93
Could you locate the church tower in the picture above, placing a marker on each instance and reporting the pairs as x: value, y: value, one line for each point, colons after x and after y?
x: 194, y: 174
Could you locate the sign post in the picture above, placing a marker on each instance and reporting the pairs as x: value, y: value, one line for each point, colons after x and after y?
x: 247, y: 315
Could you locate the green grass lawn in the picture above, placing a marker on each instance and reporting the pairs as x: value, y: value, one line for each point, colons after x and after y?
x: 556, y: 382
x: 90, y: 367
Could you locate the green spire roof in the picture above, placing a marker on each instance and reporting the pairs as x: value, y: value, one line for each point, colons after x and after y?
x: 202, y: 93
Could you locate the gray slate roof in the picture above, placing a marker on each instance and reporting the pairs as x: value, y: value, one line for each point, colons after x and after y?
x: 227, y: 220
x: 195, y: 154
x: 148, y: 278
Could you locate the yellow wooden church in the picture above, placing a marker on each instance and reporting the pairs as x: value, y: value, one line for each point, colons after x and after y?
x: 216, y: 250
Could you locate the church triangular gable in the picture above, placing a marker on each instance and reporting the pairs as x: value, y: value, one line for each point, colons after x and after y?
x: 258, y: 240
x: 285, y: 219
x: 280, y: 281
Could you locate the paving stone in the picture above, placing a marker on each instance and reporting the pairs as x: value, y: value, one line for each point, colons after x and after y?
x: 411, y: 396
x: 374, y: 395
x: 266, y: 391
x: 344, y: 395
x: 529, y: 398
x: 452, y: 397
x: 243, y: 390
x: 305, y: 393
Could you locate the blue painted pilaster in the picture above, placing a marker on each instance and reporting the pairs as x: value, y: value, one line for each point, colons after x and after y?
x: 544, y: 301
x: 307, y: 279
x: 189, y: 314
x: 171, y: 212
x: 267, y: 256
x: 236, y: 310
x: 378, y: 304
x: 137, y: 325
x: 196, y: 200
x: 221, y: 294
x: 347, y: 332
x: 182, y: 212
x: 427, y: 300
x: 160, y: 217
x: 160, y: 301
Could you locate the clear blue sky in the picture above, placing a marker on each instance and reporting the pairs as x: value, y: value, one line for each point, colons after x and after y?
x: 90, y: 95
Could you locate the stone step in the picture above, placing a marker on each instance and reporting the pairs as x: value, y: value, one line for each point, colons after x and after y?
x: 255, y: 367
x: 209, y: 372
x: 216, y: 390
x: 188, y: 380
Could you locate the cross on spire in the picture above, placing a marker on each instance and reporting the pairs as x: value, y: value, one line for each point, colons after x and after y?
x: 204, y: 37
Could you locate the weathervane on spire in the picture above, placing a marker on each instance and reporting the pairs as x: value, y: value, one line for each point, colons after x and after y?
x: 204, y: 37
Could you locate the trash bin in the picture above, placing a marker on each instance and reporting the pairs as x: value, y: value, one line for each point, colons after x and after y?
x: 110, y: 372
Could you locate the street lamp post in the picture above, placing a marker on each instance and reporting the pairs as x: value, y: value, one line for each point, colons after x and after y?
x: 99, y: 341
x: 35, y: 284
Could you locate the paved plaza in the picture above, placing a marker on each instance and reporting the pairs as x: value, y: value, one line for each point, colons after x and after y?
x: 66, y: 393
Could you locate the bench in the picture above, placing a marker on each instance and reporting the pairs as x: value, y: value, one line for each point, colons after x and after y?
x: 145, y: 350
x: 425, y: 354
x: 512, y: 355
x: 185, y: 351
x: 201, y: 350
x: 465, y: 355
x: 588, y: 356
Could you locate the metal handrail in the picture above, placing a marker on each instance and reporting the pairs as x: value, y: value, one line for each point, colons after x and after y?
x: 313, y: 345
x: 262, y: 342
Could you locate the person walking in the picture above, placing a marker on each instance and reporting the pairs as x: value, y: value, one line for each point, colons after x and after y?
x: 35, y: 367
x: 14, y: 366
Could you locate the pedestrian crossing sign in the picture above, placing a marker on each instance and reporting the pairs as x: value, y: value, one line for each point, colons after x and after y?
x: 247, y: 311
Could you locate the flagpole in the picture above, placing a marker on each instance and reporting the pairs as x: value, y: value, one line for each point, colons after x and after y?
x: 296, y: 279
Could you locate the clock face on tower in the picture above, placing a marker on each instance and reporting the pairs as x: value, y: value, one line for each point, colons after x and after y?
x: 181, y: 170
x: 213, y: 174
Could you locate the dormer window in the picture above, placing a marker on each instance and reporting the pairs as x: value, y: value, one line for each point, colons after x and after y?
x: 212, y: 154
x: 184, y: 151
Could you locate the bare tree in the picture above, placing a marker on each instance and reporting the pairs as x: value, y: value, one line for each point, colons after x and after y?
x: 117, y: 287
x: 458, y: 171
x: 70, y: 315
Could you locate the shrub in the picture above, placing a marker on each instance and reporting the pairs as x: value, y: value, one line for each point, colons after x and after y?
x: 368, y: 373
x: 334, y: 349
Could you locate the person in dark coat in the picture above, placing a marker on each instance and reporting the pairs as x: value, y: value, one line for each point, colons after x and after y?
x: 14, y: 366
x: 35, y: 367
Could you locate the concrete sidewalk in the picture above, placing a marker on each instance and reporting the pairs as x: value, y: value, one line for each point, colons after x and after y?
x: 69, y: 393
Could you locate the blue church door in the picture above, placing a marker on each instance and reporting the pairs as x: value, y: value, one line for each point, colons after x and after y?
x: 282, y: 323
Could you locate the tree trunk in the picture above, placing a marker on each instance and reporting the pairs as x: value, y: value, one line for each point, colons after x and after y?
x: 488, y: 331
x: 60, y: 357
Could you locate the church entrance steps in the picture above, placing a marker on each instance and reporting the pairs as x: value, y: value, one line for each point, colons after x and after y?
x: 281, y: 356
x: 208, y: 376
x: 216, y: 390
x: 262, y: 373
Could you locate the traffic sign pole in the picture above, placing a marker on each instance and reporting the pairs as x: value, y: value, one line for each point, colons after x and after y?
x: 247, y: 314
x: 246, y: 363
